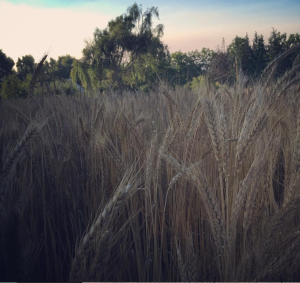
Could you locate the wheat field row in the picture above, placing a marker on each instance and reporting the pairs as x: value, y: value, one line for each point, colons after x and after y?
x: 170, y: 186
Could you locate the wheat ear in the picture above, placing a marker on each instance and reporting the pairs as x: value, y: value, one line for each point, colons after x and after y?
x: 284, y: 79
x: 291, y: 83
x: 212, y: 125
x: 12, y: 158
x: 96, y: 231
x: 191, y: 260
x: 245, y: 142
x: 36, y: 74
x: 224, y: 145
x: 288, y: 194
x: 209, y: 199
x: 269, y: 71
x: 283, y: 258
x: 112, y: 152
x: 278, y: 221
x: 171, y: 103
x: 22, y: 115
x: 101, y: 257
x: 251, y: 179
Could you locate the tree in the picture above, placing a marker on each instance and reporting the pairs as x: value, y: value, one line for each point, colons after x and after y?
x: 187, y: 66
x: 25, y: 66
x: 241, y: 55
x: 180, y: 63
x: 145, y: 70
x: 221, y: 69
x: 55, y: 73
x: 63, y: 66
x: 293, y: 40
x: 277, y: 45
x: 112, y: 53
x: 6, y: 65
x: 13, y: 87
x: 203, y: 59
x: 259, y: 54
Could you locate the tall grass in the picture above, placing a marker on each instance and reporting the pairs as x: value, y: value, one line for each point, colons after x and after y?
x: 174, y: 186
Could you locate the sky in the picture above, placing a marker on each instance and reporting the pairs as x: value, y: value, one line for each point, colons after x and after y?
x: 60, y: 27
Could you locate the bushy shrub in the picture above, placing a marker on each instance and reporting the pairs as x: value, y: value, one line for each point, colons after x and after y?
x: 13, y: 87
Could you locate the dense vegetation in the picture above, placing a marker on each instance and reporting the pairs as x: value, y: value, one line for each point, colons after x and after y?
x: 130, y: 54
x: 174, y: 185
x: 193, y: 178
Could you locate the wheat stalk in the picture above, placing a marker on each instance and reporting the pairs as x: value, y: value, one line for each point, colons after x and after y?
x: 180, y: 262
x: 269, y: 71
x: 99, y: 227
x: 244, y: 142
x: 171, y: 103
x: 7, y: 172
x: 101, y: 257
x: 252, y: 178
x: 191, y: 260
x: 283, y: 258
x: 36, y: 74
x: 213, y: 126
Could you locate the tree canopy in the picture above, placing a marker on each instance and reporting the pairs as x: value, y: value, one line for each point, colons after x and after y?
x: 6, y: 65
x: 25, y: 66
x: 128, y: 40
x: 129, y: 54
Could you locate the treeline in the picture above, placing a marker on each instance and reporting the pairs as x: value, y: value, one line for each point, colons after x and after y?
x: 129, y: 54
x: 54, y: 76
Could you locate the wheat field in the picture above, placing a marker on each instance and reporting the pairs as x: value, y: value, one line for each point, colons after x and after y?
x: 170, y: 186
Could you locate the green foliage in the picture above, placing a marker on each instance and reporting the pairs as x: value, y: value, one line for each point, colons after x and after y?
x: 60, y: 68
x: 144, y: 72
x: 55, y: 72
x: 253, y: 59
x: 6, y: 65
x: 221, y: 68
x: 25, y: 66
x: 293, y: 39
x: 186, y: 66
x: 66, y: 86
x: 278, y: 43
x: 241, y: 55
x: 196, y: 83
x: 129, y: 54
x: 82, y: 72
x: 13, y: 87
x: 260, y: 56
x: 119, y: 49
x: 201, y: 82
x: 204, y: 58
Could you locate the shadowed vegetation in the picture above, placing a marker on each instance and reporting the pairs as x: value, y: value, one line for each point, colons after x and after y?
x: 173, y: 186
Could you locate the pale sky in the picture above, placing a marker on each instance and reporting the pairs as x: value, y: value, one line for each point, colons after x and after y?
x: 61, y: 26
